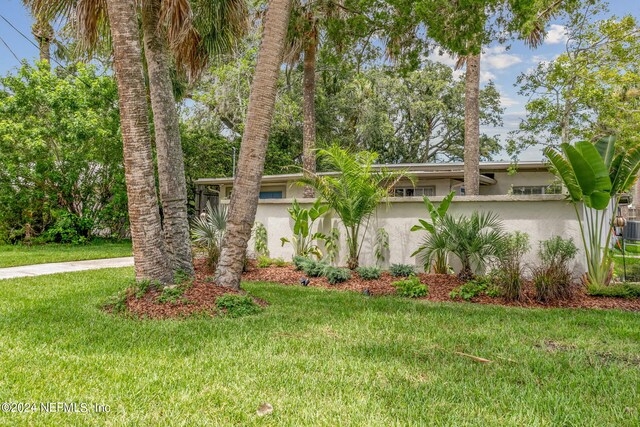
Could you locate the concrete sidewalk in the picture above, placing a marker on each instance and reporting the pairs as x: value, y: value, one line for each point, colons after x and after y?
x: 64, y: 267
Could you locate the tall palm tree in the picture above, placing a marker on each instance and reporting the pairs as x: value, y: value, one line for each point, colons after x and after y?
x: 43, y: 32
x: 472, y: 126
x: 148, y: 242
x: 244, y: 198
x: 91, y: 19
x: 221, y: 24
x: 160, y: 20
x: 173, y: 185
x: 307, y: 18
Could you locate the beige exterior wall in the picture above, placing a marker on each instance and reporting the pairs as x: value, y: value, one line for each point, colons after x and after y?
x: 542, y: 217
x: 503, y: 185
x: 505, y: 181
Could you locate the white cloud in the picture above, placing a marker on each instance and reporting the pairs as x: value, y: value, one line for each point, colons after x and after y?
x: 556, y: 34
x: 485, y: 76
x: 506, y: 101
x: 443, y: 58
x: 497, y: 58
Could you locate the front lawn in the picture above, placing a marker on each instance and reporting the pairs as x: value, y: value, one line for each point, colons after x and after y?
x: 16, y: 255
x: 320, y: 357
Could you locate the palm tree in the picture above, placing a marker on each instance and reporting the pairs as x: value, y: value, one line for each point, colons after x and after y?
x: 473, y: 240
x: 354, y: 195
x: 253, y: 150
x: 220, y: 24
x: 43, y: 32
x: 173, y: 186
x: 193, y: 50
x: 472, y: 126
x: 144, y: 216
x: 91, y: 21
x: 304, y: 31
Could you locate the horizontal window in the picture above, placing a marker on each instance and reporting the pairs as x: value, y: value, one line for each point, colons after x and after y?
x: 413, y: 192
x: 536, y: 189
x: 271, y: 195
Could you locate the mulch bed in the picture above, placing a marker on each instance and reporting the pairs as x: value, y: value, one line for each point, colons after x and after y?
x: 199, y: 298
x: 440, y: 285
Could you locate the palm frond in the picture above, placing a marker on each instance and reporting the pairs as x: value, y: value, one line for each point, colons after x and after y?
x: 200, y: 29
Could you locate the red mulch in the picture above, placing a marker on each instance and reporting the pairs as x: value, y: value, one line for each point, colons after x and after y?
x: 440, y: 285
x: 200, y: 297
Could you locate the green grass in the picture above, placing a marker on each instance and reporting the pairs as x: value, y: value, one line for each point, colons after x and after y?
x: 16, y: 255
x: 320, y: 357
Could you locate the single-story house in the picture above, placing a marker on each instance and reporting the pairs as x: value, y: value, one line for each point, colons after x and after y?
x: 528, y: 199
x: 431, y: 179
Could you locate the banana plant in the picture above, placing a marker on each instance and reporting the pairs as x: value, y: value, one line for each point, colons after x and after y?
x: 596, y: 175
x: 304, y: 241
x: 437, y: 259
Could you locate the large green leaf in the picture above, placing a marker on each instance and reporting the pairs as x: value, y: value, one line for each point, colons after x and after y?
x: 444, y: 205
x: 606, y: 149
x: 597, y: 163
x: 598, y: 200
x: 585, y: 176
x: 563, y: 170
x: 628, y: 172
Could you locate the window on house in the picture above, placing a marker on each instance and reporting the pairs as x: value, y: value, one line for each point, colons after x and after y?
x: 414, y: 192
x: 270, y: 195
x: 536, y: 189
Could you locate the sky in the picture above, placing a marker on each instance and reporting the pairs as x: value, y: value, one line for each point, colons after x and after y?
x: 498, y: 64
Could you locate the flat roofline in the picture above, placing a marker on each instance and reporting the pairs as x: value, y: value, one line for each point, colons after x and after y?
x: 434, y: 170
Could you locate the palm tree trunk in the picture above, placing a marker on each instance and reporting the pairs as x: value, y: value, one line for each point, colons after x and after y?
x: 309, y: 111
x: 146, y: 232
x: 43, y: 32
x: 173, y: 186
x: 246, y: 187
x: 472, y: 127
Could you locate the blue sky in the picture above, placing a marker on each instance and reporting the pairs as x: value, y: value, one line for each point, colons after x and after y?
x: 500, y: 65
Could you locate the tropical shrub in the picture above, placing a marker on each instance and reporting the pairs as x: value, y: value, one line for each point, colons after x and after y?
x: 314, y: 268
x: 474, y: 288
x: 304, y: 241
x: 208, y: 231
x: 436, y: 259
x: 260, y: 239
x: 596, y: 175
x: 553, y: 279
x: 299, y: 261
x: 401, y: 270
x: 233, y: 305
x: 511, y: 250
x: 68, y: 228
x: 355, y: 193
x: 411, y: 288
x: 336, y: 275
x: 474, y: 240
x: 368, y: 273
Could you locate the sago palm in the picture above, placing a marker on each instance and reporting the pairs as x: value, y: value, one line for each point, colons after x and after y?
x: 355, y: 193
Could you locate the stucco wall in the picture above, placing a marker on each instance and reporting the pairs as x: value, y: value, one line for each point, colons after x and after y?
x: 541, y: 217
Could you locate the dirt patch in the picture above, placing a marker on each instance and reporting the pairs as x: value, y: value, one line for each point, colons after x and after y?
x: 440, y: 286
x: 198, y: 298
